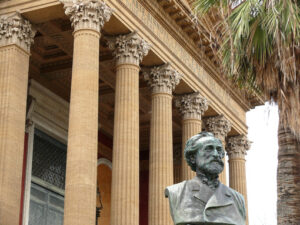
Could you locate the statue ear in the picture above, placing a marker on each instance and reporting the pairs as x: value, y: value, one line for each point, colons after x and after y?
x: 192, y: 159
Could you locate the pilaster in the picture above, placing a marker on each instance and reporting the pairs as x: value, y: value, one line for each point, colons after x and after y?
x: 162, y: 80
x: 191, y: 106
x: 219, y: 126
x: 129, y: 51
x: 87, y: 17
x: 16, y: 37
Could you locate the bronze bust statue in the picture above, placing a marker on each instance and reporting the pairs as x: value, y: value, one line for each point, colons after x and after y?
x: 203, y: 199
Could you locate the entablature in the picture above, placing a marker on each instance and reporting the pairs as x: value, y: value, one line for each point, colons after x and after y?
x: 168, y: 46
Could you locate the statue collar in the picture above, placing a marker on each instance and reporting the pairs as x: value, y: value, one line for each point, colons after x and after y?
x: 220, y: 197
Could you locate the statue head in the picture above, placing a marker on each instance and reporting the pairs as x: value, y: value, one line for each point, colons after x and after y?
x: 204, y: 153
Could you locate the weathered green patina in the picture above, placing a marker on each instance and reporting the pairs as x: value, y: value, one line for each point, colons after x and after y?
x: 203, y: 200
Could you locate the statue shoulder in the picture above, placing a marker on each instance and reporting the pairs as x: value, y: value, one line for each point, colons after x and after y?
x: 239, y: 200
x: 174, y: 189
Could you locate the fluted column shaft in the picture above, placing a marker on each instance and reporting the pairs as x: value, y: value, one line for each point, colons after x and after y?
x: 125, y: 169
x: 237, y: 179
x: 162, y: 81
x: 191, y: 106
x: 125, y: 172
x: 236, y: 149
x: 81, y: 171
x: 219, y: 126
x: 222, y: 176
x: 190, y: 127
x: 161, y: 158
x: 14, y: 64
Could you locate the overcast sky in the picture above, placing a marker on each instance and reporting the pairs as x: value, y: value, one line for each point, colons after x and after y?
x: 261, y: 165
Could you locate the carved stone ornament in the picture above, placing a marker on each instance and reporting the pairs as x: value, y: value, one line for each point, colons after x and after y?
x: 162, y: 79
x: 191, y: 106
x: 16, y: 30
x: 237, y: 146
x: 130, y: 48
x: 218, y: 125
x: 87, y: 14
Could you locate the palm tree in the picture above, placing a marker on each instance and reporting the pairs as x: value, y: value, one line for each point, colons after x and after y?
x: 258, y: 44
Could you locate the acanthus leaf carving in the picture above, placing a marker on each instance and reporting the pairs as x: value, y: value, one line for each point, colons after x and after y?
x: 16, y: 30
x: 237, y: 146
x: 162, y: 79
x: 218, y: 125
x: 130, y: 48
x: 87, y: 14
x: 191, y: 105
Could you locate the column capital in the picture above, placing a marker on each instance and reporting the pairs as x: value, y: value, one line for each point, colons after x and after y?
x: 191, y: 106
x: 237, y: 146
x: 16, y: 30
x: 162, y: 79
x: 87, y: 14
x: 129, y: 48
x: 218, y: 125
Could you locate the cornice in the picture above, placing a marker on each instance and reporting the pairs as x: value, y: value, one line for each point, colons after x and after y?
x: 191, y: 44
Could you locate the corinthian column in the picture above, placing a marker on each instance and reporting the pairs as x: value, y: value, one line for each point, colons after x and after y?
x: 219, y: 126
x: 191, y: 106
x: 236, y: 150
x: 87, y: 17
x: 16, y: 36
x: 129, y: 51
x: 162, y: 81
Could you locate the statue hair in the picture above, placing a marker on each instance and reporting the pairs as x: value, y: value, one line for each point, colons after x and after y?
x: 191, y: 147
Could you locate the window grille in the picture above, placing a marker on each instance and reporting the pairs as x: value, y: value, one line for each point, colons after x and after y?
x: 49, y: 159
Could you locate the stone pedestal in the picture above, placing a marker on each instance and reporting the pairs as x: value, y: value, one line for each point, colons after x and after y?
x: 236, y: 150
x: 129, y: 51
x: 16, y: 37
x: 162, y: 81
x: 191, y: 106
x: 219, y: 126
x: 81, y: 172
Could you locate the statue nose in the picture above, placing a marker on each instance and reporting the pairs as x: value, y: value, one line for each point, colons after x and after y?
x: 216, y: 153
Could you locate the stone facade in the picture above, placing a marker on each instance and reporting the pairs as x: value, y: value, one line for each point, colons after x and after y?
x: 84, y: 59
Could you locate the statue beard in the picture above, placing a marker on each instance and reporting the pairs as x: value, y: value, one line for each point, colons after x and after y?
x: 213, y: 168
x: 209, y: 173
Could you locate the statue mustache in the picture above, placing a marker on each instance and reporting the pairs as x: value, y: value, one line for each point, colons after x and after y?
x: 217, y: 161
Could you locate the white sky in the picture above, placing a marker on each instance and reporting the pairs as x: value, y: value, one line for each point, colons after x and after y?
x: 261, y: 165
